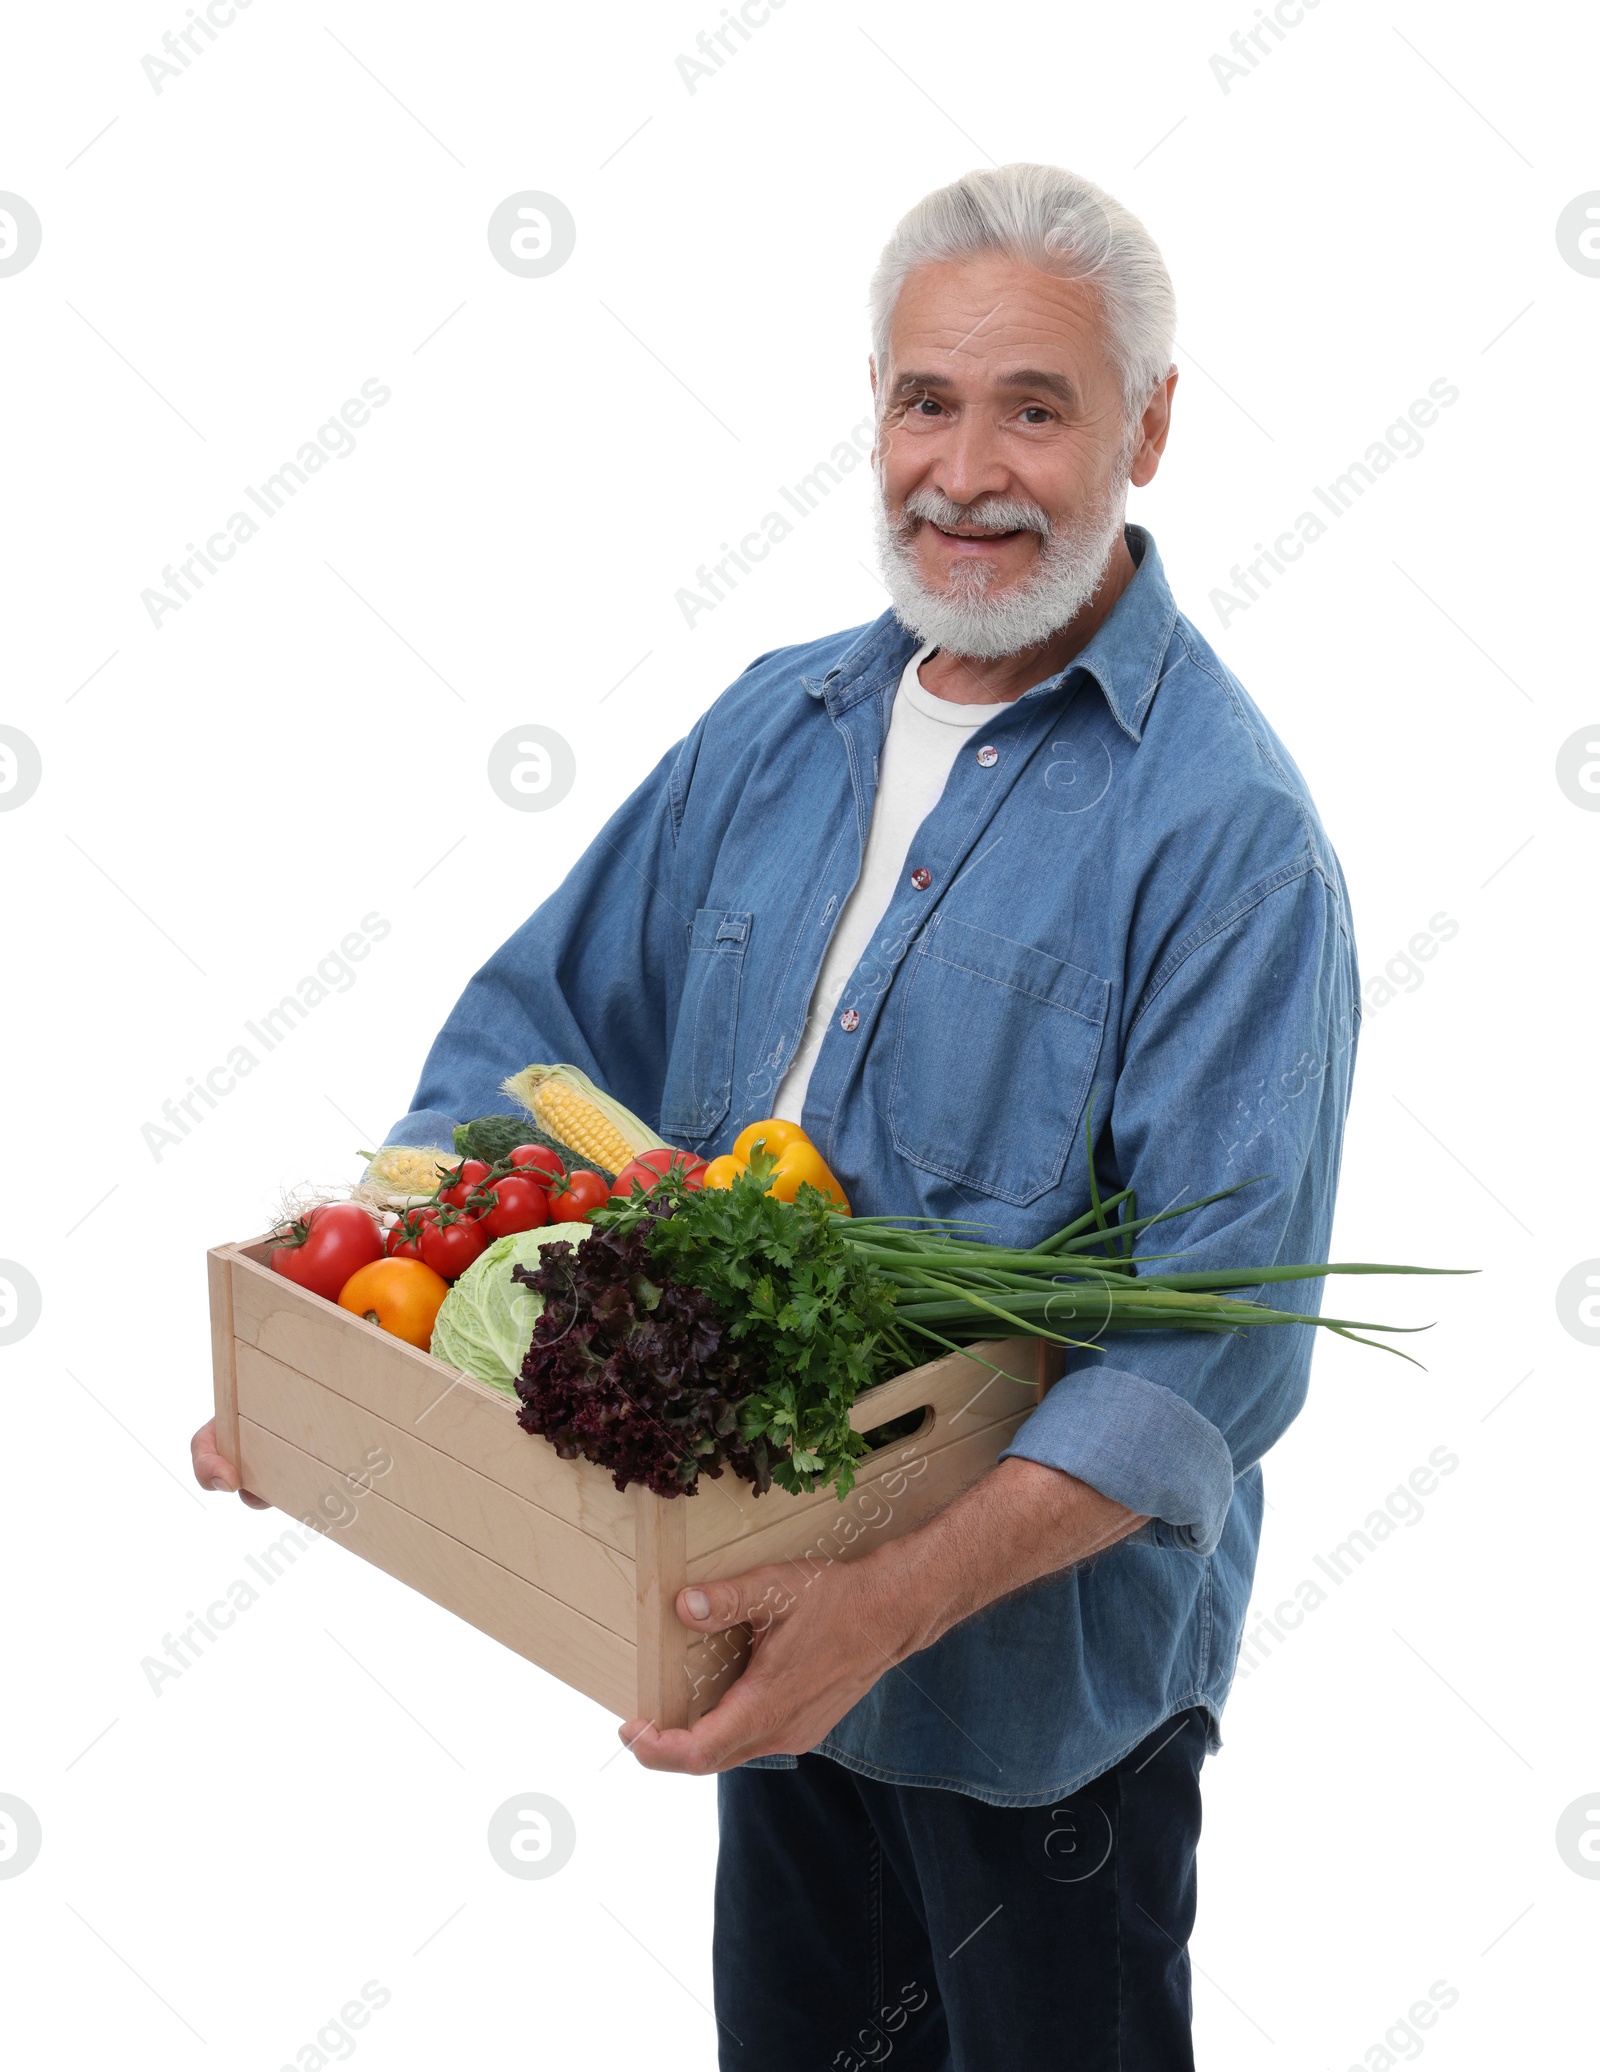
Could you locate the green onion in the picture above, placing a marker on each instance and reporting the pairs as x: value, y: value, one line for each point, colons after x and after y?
x: 953, y: 1290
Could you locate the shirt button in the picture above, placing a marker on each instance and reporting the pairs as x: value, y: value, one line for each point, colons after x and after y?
x: 921, y: 879
x: 849, y: 1021
x: 988, y: 757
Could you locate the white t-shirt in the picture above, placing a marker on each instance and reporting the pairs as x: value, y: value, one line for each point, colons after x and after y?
x: 925, y: 735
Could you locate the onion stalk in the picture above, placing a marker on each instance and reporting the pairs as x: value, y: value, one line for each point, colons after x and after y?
x: 1082, y: 1282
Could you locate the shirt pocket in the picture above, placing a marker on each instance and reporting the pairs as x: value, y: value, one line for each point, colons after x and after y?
x: 699, y: 1087
x: 995, y: 1048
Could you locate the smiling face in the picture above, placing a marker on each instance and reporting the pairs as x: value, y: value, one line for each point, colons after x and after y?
x: 1003, y: 454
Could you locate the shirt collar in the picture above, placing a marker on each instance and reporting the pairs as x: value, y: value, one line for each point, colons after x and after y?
x: 1125, y: 657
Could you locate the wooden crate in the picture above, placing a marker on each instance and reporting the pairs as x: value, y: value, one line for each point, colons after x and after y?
x: 426, y: 1473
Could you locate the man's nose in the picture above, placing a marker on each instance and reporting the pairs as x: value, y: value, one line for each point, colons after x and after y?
x: 971, y: 465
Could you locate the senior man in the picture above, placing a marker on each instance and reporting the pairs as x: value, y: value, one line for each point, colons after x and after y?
x: 1019, y: 853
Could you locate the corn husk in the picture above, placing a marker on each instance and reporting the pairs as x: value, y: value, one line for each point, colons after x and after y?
x: 400, y: 1175
x: 532, y: 1086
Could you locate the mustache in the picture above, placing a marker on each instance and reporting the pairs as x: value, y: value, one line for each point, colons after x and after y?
x: 1002, y: 513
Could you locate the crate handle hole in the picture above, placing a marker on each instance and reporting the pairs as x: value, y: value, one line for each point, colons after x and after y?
x: 911, y: 1426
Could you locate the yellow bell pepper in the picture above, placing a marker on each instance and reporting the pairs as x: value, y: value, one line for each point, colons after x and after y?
x: 797, y: 1162
x: 773, y: 1136
x: 802, y: 1165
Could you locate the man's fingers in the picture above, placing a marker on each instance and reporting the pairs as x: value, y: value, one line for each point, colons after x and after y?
x: 203, y: 1448
x: 725, y: 1736
x: 668, y: 1748
x: 213, y: 1470
x: 753, y: 1600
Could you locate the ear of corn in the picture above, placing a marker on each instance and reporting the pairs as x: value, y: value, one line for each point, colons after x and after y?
x: 400, y: 1172
x: 567, y: 1103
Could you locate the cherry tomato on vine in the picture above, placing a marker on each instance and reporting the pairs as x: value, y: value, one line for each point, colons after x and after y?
x: 450, y: 1247
x: 542, y: 1158
x: 401, y: 1242
x: 651, y: 1167
x: 577, y: 1201
x: 515, y: 1204
x: 471, y: 1173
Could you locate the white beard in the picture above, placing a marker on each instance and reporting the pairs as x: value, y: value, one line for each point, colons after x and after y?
x: 965, y: 618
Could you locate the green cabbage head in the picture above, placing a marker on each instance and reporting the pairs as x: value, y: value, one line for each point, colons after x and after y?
x: 485, y: 1323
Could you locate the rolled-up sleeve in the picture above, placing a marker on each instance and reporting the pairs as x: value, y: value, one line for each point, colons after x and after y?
x: 1236, y: 1066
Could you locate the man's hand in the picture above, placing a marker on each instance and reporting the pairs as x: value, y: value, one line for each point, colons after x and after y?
x: 213, y: 1471
x: 821, y: 1638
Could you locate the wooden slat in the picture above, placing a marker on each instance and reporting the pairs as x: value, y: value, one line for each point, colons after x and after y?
x: 966, y: 1397
x: 473, y: 1424
x: 530, y: 1621
x: 219, y: 1282
x: 895, y: 1501
x: 532, y: 1543
x: 663, y: 1640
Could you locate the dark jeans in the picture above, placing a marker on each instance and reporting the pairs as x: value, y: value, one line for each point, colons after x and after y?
x: 858, y: 1921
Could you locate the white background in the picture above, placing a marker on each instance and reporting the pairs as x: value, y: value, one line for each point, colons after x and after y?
x: 1371, y: 208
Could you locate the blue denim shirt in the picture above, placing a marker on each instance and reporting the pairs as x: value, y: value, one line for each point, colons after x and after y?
x: 1132, y: 905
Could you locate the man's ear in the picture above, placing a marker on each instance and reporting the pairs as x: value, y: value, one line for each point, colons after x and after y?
x: 872, y: 373
x: 1156, y: 425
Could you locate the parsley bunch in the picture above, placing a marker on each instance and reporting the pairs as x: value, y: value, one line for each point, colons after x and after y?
x: 812, y: 1321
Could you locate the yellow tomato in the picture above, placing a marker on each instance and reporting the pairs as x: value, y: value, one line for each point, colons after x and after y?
x: 722, y: 1171
x: 773, y: 1135
x: 400, y: 1295
x: 801, y: 1165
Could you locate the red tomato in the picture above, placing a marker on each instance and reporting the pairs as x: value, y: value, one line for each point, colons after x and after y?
x: 322, y: 1250
x: 402, y: 1239
x: 517, y: 1204
x: 542, y: 1157
x: 577, y: 1201
x: 450, y: 1248
x: 472, y: 1172
x: 663, y: 1161
x: 650, y: 1167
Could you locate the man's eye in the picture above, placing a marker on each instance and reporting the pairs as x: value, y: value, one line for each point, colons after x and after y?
x: 926, y: 403
x: 1035, y: 413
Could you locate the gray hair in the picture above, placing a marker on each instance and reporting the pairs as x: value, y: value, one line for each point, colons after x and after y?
x: 1059, y: 222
